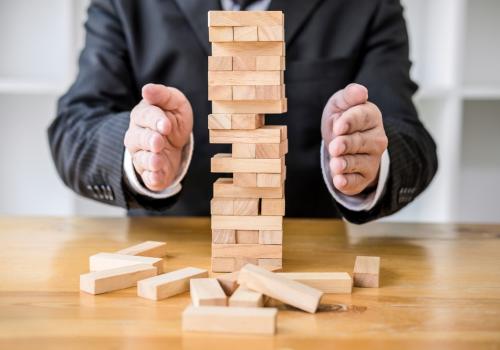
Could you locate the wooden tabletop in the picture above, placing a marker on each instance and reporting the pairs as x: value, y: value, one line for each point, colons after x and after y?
x: 440, y: 286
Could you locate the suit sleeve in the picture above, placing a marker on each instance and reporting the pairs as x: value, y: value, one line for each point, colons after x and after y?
x: 86, y: 138
x: 384, y: 70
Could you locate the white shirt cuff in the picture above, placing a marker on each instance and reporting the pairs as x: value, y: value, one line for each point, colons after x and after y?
x: 174, y: 188
x: 361, y: 202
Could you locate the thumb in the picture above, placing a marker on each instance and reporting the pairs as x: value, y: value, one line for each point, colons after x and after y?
x: 352, y: 95
x: 165, y: 97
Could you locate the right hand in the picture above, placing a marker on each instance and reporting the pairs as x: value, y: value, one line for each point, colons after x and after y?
x: 160, y: 126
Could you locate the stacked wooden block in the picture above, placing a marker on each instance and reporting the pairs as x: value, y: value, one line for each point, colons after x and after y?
x: 246, y: 81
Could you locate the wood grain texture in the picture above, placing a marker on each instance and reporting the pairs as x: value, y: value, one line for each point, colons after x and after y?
x: 327, y: 282
x: 242, y: 78
x: 267, y: 134
x: 247, y: 222
x: 257, y: 49
x: 224, y: 188
x: 253, y: 251
x: 246, y: 33
x: 270, y: 62
x: 220, y: 34
x: 152, y: 249
x: 206, y: 292
x: 225, y: 163
x: 261, y: 106
x: 271, y: 33
x: 104, y: 261
x: 244, y: 297
x: 221, y: 63
x: 245, y: 18
x: 366, y: 271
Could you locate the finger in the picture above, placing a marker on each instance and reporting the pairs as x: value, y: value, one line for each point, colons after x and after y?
x: 352, y: 95
x: 358, y: 118
x: 142, y: 139
x: 167, y: 98
x: 149, y: 161
x: 152, y: 117
x: 363, y: 164
x: 367, y: 142
x: 350, y: 184
x: 155, y: 180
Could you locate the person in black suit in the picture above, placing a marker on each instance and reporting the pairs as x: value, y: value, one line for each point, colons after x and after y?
x: 132, y: 129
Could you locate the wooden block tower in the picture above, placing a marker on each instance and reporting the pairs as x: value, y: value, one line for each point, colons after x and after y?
x: 245, y: 81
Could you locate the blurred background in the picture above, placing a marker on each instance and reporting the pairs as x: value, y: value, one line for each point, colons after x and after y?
x: 456, y: 53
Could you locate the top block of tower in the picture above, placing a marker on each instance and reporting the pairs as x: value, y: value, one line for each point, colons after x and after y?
x: 245, y: 18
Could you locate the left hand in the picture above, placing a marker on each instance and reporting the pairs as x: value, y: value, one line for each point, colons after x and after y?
x: 355, y: 138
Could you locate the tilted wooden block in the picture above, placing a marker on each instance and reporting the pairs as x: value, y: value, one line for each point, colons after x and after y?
x: 270, y: 62
x: 169, y: 284
x: 245, y: 18
x: 153, y: 249
x: 247, y: 236
x: 327, y: 282
x: 104, y: 261
x: 207, y: 291
x: 225, y: 188
x: 220, y: 63
x: 366, y: 271
x: 225, y: 163
x: 246, y: 250
x: 230, y: 319
x: 271, y: 33
x: 254, y: 49
x: 236, y: 78
x: 220, y: 93
x: 278, y: 287
x: 267, y: 134
x: 245, y: 179
x: 270, y: 180
x: 223, y: 236
x: 112, y: 279
x: 245, y: 63
x: 272, y: 206
x: 228, y: 282
x: 247, y: 222
x: 261, y: 106
x: 220, y: 34
x: 243, y: 150
x: 271, y: 150
x: 271, y: 237
x: 245, y: 33
x: 244, y: 297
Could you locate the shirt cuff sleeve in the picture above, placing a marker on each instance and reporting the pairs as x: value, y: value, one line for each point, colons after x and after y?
x: 361, y: 202
x: 134, y: 183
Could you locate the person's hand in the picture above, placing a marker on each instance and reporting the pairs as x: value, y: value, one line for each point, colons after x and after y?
x: 355, y: 138
x: 159, y: 128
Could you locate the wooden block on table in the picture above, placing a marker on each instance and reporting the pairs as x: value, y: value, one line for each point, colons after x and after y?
x: 327, y: 282
x: 267, y: 134
x: 246, y: 121
x: 104, y: 261
x: 244, y: 297
x: 246, y: 206
x: 237, y: 78
x: 219, y: 121
x: 243, y: 151
x: 245, y: 18
x: 245, y: 33
x: 225, y: 163
x: 152, y: 249
x: 112, y: 279
x: 272, y: 206
x: 220, y: 93
x: 228, y: 282
x: 278, y: 287
x: 207, y: 291
x: 270, y: 62
x: 223, y: 236
x: 247, y: 236
x: 220, y: 34
x: 261, y: 106
x: 247, y: 222
x: 230, y: 319
x: 224, y: 188
x: 254, y: 49
x: 254, y: 251
x: 245, y: 63
x: 169, y: 284
x: 271, y: 33
x: 270, y: 237
x: 270, y: 180
x: 271, y: 150
x: 245, y: 179
x: 366, y: 272
x: 220, y: 63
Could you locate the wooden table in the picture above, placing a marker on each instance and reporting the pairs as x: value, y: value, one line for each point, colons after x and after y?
x: 440, y: 286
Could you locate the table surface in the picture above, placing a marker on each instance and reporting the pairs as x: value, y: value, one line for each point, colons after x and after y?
x: 440, y: 286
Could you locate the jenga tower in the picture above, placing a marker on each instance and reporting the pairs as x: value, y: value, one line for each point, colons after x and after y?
x: 245, y: 81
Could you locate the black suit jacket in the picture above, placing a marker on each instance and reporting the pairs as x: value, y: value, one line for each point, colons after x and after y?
x: 330, y: 43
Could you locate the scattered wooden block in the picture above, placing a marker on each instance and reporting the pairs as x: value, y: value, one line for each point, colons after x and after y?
x: 243, y: 151
x: 271, y: 237
x: 245, y: 63
x: 278, y: 287
x: 247, y: 222
x: 267, y: 134
x: 236, y: 78
x: 327, y: 282
x: 152, y: 249
x: 112, y: 279
x: 271, y: 150
x: 272, y: 206
x: 104, y: 261
x: 245, y: 179
x: 220, y: 93
x: 169, y: 284
x: 228, y: 282
x: 244, y: 297
x: 220, y: 63
x: 366, y: 272
x: 245, y: 18
x: 223, y: 236
x: 246, y: 206
x: 247, y: 236
x: 224, y: 188
x: 230, y: 319
x: 270, y: 180
x: 219, y: 121
x: 247, y: 121
x: 206, y: 292
x: 225, y: 163
x: 245, y: 33
x: 271, y: 33
x: 270, y: 62
x: 263, y: 106
x: 238, y: 49
x: 254, y: 251
x: 220, y: 34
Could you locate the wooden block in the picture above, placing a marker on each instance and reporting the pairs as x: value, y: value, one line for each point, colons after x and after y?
x: 247, y: 121
x: 266, y: 134
x: 243, y: 320
x: 225, y: 188
x: 220, y: 63
x: 247, y: 237
x: 278, y: 287
x: 230, y: 78
x: 244, y: 92
x: 247, y: 222
x: 366, y: 272
x: 269, y: 92
x: 231, y: 264
x: 152, y: 249
x: 246, y: 206
x: 245, y: 18
x: 219, y: 121
x: 271, y: 237
x: 271, y: 33
x: 225, y: 163
x: 246, y: 33
x: 222, y: 206
x: 327, y: 282
x: 270, y: 62
x: 220, y: 93
x: 169, y: 284
x: 245, y: 179
x: 271, y: 150
x: 112, y: 279
x: 238, y: 49
x: 272, y: 206
x: 245, y: 63
x: 254, y: 251
x: 243, y: 150
x: 270, y: 180
x: 244, y: 297
x: 228, y: 282
x: 220, y: 34
x: 271, y: 264
x: 260, y: 107
x: 223, y: 236
x: 206, y: 292
x: 104, y: 261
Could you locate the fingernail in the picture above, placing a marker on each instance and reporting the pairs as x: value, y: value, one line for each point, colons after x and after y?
x: 161, y: 126
x: 342, y: 148
x: 344, y: 164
